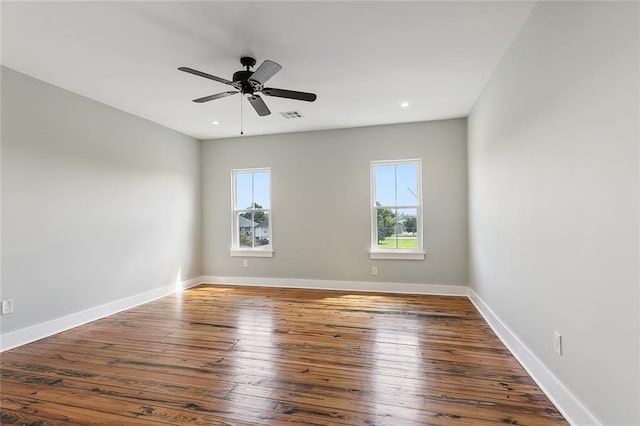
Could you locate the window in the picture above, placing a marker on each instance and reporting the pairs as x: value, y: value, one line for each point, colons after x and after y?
x: 396, y: 210
x: 251, y: 230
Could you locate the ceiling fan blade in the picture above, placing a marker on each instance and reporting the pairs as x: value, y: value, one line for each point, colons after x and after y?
x: 216, y: 96
x: 290, y: 94
x: 265, y: 71
x: 205, y: 75
x: 258, y: 104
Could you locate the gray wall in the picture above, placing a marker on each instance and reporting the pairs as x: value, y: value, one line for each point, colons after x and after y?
x: 320, y: 196
x: 553, y: 184
x: 97, y: 204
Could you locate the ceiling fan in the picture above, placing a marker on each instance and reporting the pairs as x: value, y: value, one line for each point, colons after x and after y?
x: 250, y: 83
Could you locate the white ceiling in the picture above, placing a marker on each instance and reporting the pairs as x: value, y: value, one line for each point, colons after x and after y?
x: 361, y: 58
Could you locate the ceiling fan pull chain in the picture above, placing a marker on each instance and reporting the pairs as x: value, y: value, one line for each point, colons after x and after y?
x: 241, y: 129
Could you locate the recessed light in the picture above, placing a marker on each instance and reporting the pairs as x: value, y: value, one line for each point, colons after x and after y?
x: 404, y: 104
x: 215, y: 122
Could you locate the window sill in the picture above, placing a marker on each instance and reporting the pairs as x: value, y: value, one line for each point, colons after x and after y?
x: 400, y: 255
x: 251, y: 253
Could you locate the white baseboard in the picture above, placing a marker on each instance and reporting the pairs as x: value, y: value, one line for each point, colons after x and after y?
x: 38, y: 331
x: 568, y: 405
x: 562, y: 398
x: 366, y: 286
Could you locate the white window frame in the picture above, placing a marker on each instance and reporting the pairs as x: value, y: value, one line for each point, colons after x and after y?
x: 405, y: 254
x: 236, y: 249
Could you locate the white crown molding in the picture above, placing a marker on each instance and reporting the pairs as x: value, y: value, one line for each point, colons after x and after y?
x: 38, y: 331
x: 568, y: 405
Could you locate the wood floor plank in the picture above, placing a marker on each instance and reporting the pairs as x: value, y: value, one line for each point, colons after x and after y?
x: 245, y: 355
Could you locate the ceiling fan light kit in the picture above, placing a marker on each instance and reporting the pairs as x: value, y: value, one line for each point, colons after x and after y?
x: 250, y: 83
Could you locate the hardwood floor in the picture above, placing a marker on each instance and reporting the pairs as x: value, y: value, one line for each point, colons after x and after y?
x: 246, y: 355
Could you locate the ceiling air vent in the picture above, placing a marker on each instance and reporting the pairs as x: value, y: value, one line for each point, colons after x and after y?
x: 291, y: 114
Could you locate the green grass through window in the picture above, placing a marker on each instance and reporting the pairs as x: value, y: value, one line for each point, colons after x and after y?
x: 404, y: 242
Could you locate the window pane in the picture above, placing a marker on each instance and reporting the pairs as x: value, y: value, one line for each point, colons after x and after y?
x: 246, y: 226
x: 252, y: 193
x: 385, y: 185
x: 243, y: 190
x: 261, y: 189
x: 396, y: 206
x: 406, y: 181
x: 386, y: 228
x: 262, y: 232
x: 407, y: 229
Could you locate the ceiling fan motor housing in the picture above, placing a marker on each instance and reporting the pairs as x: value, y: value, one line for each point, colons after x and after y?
x: 247, y: 87
x: 241, y: 76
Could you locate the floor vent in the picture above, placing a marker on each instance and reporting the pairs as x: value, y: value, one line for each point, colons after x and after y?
x: 291, y: 114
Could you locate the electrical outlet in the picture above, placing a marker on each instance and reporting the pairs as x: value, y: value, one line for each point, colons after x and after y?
x: 557, y: 342
x: 7, y: 307
x: 374, y: 270
x: 245, y: 263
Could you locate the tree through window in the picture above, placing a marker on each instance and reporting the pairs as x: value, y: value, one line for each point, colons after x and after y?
x: 396, y: 207
x: 251, y: 209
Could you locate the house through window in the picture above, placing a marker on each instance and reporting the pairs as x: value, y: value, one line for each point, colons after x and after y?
x: 396, y: 210
x: 251, y: 232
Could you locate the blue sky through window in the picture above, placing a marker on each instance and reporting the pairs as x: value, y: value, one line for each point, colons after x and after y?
x: 252, y: 187
x: 396, y: 184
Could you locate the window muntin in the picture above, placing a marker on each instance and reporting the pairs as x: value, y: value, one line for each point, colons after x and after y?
x: 251, y: 232
x: 396, y: 208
